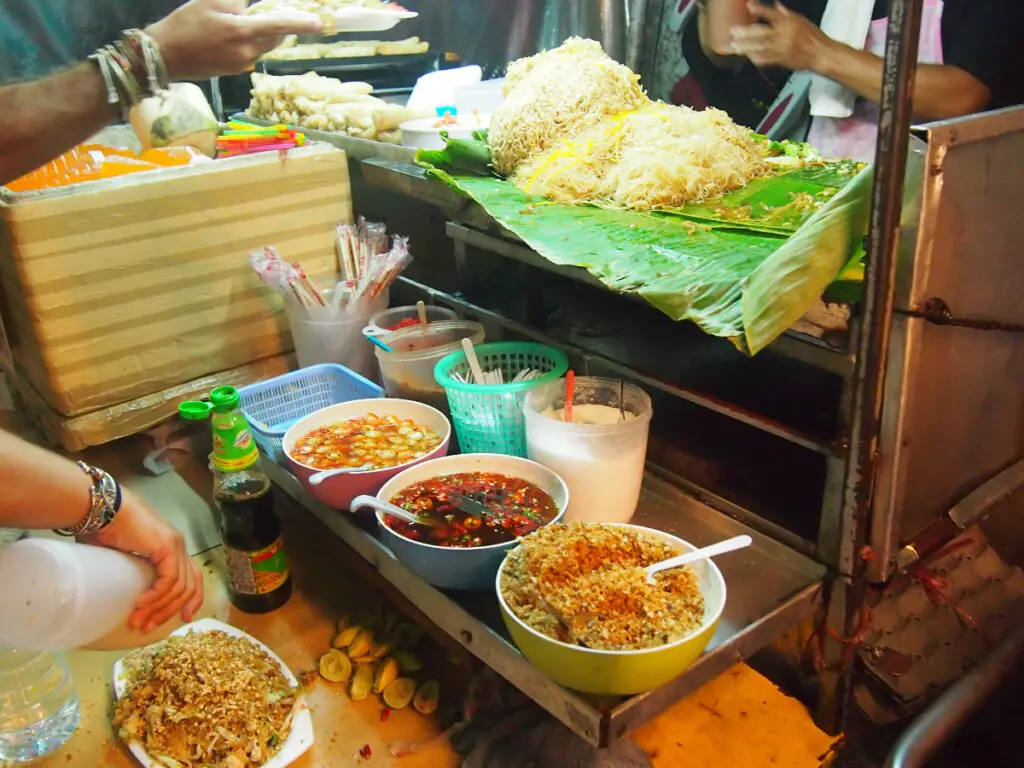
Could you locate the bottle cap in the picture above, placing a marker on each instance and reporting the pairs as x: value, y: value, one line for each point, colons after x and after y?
x: 194, y: 410
x: 225, y: 399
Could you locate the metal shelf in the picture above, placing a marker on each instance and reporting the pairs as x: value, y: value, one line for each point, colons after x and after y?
x: 408, y: 290
x: 412, y: 180
x: 608, y: 355
x: 771, y: 589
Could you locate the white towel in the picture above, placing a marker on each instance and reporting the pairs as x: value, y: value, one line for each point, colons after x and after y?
x: 848, y: 22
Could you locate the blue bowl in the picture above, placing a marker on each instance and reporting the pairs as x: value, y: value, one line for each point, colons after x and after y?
x: 472, y: 568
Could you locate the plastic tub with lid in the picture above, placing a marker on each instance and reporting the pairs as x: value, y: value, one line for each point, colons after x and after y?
x: 408, y: 372
x: 384, y: 322
x: 601, y: 453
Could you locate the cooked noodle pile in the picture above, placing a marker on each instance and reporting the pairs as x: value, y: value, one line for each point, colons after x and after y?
x: 206, y: 699
x: 555, y: 94
x: 577, y: 128
x: 658, y: 157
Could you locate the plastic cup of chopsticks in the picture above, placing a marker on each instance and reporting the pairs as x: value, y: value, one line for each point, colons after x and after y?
x: 330, y: 335
x: 601, y: 453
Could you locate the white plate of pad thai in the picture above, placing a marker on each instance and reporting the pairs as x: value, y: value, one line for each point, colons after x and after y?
x: 210, y: 695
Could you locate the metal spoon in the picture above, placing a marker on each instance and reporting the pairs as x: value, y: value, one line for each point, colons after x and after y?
x: 319, y: 477
x: 390, y: 509
x: 729, y: 545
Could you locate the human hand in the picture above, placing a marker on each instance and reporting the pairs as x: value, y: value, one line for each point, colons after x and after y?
x: 178, y: 587
x: 209, y: 38
x: 787, y: 39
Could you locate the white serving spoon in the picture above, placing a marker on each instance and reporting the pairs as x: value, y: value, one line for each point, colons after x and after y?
x: 390, y: 509
x: 319, y: 477
x: 729, y: 545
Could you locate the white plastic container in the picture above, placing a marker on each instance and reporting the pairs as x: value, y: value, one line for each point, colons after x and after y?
x: 483, y: 97
x: 319, y: 338
x: 437, y: 89
x: 59, y: 595
x: 600, y: 455
x: 425, y: 132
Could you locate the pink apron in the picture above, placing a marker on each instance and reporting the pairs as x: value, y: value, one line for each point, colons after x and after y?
x: 855, y: 136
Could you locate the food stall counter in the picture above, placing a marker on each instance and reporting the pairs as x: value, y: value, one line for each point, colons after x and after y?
x: 740, y: 707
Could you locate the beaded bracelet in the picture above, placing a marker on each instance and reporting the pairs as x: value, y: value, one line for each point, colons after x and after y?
x: 104, y: 503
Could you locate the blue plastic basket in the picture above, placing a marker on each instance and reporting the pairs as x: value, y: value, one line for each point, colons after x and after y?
x: 272, y: 406
x: 488, y: 418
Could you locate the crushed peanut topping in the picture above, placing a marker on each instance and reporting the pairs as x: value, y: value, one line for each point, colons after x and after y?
x: 584, y: 583
x: 206, y: 699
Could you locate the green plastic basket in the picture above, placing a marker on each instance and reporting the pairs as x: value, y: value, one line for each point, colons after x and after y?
x: 488, y: 418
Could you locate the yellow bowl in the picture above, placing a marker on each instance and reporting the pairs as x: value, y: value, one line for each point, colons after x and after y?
x: 621, y: 673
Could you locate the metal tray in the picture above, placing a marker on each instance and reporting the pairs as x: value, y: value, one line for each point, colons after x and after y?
x: 771, y: 589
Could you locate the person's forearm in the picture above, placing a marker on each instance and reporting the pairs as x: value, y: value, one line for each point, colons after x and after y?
x: 39, y: 489
x: 939, y: 91
x: 50, y: 116
x: 715, y: 20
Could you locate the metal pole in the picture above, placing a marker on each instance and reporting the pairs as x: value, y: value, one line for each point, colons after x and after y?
x: 947, y: 713
x: 894, y: 121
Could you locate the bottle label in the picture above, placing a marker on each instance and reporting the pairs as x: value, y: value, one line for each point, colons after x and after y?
x: 233, y: 446
x: 259, y: 572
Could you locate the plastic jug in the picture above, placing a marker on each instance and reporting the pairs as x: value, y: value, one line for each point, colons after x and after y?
x: 59, y: 595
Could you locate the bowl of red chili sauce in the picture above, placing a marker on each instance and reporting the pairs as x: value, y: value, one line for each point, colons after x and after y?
x: 481, y: 504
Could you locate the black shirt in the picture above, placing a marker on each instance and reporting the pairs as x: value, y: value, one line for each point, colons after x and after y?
x: 985, y: 38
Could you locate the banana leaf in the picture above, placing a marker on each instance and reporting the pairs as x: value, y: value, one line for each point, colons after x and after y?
x: 784, y: 286
x: 777, y: 204
x: 736, y: 282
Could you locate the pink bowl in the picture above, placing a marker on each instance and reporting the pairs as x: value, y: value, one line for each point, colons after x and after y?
x: 338, y: 491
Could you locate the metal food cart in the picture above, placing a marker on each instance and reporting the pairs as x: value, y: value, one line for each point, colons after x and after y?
x: 848, y: 456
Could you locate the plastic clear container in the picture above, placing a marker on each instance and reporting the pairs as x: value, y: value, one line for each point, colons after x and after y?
x: 39, y: 709
x: 408, y: 372
x: 599, y: 455
x: 321, y: 339
x: 384, y: 322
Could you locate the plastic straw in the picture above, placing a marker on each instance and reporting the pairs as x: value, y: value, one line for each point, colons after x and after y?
x: 377, y: 342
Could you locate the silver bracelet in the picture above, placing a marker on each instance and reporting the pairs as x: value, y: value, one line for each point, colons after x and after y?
x: 104, y: 504
x: 156, y: 70
x: 106, y: 72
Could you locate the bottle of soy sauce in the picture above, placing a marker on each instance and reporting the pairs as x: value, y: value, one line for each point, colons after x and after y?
x: 258, y: 577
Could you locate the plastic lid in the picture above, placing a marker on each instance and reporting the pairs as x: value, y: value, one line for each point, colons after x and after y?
x: 194, y: 410
x: 225, y: 399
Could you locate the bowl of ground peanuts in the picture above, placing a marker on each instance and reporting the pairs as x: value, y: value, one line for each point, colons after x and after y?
x: 576, y: 600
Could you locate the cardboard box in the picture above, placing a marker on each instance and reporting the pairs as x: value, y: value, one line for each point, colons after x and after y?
x: 76, y: 433
x: 119, y: 289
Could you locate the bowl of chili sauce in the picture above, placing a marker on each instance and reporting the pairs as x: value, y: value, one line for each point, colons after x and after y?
x: 480, y: 504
